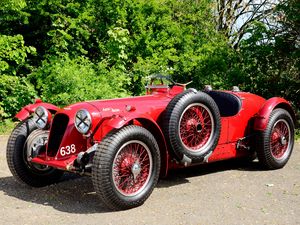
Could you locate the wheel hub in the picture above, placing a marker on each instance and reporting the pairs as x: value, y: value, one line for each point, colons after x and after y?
x: 135, y: 169
x: 193, y: 125
x: 199, y: 127
x: 36, y: 142
x: 283, y: 140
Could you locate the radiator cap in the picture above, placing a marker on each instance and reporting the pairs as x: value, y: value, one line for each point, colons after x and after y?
x: 235, y: 89
x: 207, y: 87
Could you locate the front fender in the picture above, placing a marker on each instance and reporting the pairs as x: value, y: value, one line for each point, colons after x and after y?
x: 263, y: 115
x: 116, y: 122
x: 29, y: 109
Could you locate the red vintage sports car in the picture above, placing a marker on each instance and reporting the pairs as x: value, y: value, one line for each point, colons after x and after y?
x: 126, y: 144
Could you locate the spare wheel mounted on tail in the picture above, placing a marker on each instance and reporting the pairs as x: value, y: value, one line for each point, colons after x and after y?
x: 192, y: 124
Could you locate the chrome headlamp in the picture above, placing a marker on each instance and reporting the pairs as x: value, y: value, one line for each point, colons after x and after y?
x: 41, y: 117
x: 83, y: 121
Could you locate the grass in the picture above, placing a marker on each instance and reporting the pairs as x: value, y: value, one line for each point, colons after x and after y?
x: 6, y: 126
x: 297, y: 134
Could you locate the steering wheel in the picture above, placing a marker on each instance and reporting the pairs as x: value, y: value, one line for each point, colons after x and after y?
x: 160, y: 77
x: 153, y: 84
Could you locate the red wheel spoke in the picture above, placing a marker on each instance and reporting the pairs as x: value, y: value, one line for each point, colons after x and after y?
x: 124, y: 171
x: 279, y: 139
x: 195, y: 127
x: 124, y: 182
x: 127, y: 179
x: 124, y: 175
x: 146, y: 164
x: 144, y: 159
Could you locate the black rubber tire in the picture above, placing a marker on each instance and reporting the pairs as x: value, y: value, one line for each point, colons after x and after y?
x: 263, y: 145
x: 173, y: 113
x: 102, y: 176
x: 17, y: 163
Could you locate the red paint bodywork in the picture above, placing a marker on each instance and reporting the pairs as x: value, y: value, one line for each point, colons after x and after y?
x: 265, y: 111
x: 147, y: 111
x: 29, y: 109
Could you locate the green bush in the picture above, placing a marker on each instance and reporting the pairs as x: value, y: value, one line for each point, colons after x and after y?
x: 7, y: 125
x: 105, y: 48
x: 61, y: 80
x: 13, y: 54
x: 15, y: 92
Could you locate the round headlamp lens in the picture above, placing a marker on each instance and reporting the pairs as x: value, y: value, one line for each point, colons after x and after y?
x: 83, y: 121
x: 40, y: 117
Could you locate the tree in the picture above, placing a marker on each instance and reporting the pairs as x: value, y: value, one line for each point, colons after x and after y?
x: 270, y: 56
x: 235, y: 16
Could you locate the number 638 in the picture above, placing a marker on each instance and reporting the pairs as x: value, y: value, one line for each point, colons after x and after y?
x: 67, y: 150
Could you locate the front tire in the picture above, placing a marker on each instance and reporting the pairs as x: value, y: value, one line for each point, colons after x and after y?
x: 274, y: 145
x: 16, y: 154
x: 126, y: 167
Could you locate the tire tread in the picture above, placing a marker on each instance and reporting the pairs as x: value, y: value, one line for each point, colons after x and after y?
x: 102, y: 163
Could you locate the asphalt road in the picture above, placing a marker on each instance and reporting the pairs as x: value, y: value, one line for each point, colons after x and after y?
x: 219, y: 193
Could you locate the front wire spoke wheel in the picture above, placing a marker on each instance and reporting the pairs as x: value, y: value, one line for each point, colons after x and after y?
x: 24, y: 143
x: 126, y: 167
x: 132, y: 166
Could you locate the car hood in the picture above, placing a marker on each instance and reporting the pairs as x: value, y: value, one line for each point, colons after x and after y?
x: 99, y: 109
x: 139, y: 104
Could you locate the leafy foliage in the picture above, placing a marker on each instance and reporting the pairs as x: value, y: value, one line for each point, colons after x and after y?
x: 62, y: 80
x: 13, y: 54
x: 69, y: 50
x: 15, y: 92
x: 270, y: 57
x: 270, y: 65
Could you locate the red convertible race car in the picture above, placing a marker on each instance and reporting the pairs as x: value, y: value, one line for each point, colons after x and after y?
x: 126, y: 144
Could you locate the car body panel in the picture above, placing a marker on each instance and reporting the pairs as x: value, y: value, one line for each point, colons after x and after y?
x: 239, y: 124
x: 263, y: 114
x: 148, y: 111
x: 27, y: 110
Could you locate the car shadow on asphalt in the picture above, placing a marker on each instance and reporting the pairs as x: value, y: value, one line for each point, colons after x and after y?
x: 180, y: 176
x: 75, y: 194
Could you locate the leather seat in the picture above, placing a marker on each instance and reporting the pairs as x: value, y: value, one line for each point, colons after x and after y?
x: 229, y: 104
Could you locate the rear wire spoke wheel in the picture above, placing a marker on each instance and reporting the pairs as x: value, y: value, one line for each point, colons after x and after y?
x: 126, y: 167
x: 192, y: 124
x: 275, y: 144
x: 280, y: 136
x: 196, y: 126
